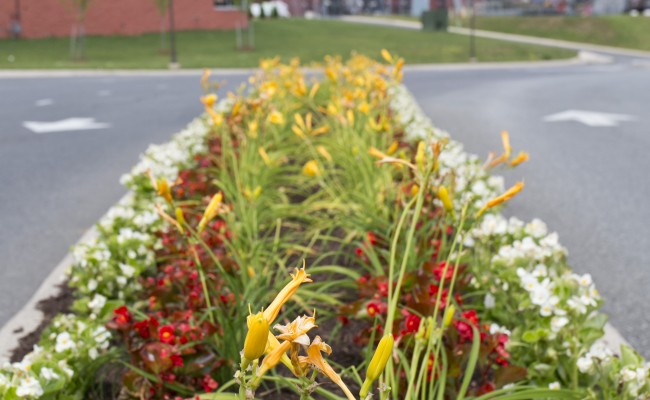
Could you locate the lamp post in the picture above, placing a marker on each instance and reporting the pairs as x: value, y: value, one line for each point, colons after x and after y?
x: 472, y: 36
x: 172, y: 37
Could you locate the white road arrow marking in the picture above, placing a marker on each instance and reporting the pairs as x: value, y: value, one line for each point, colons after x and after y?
x: 65, y: 125
x: 44, y: 102
x: 590, y: 118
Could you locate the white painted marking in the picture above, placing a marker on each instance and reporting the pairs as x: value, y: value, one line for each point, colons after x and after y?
x: 104, y: 93
x: 69, y: 124
x: 44, y: 102
x: 590, y: 118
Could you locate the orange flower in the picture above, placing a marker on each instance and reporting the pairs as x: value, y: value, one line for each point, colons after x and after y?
x: 521, y: 157
x: 510, y: 193
x: 315, y: 358
x: 301, y: 276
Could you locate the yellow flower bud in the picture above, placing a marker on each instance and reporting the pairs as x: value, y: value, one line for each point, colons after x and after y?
x: 510, y: 193
x: 211, y: 210
x: 256, y: 338
x: 311, y: 168
x: 449, y: 315
x: 415, y: 189
x: 323, y: 152
x: 443, y: 195
x: 180, y: 218
x: 420, y: 156
x: 387, y: 56
x: 377, y: 363
x: 163, y: 190
x: 392, y: 148
x: 209, y: 100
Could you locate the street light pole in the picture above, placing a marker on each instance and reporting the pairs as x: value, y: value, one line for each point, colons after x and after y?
x: 172, y: 37
x: 472, y: 36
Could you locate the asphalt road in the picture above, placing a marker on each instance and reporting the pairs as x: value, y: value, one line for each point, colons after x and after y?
x: 590, y: 184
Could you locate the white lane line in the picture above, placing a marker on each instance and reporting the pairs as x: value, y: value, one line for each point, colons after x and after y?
x: 44, y: 102
x: 65, y: 125
x: 593, y: 119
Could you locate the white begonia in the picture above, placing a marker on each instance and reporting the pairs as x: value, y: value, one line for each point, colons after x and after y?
x: 48, y: 374
x: 585, y: 364
x: 536, y: 228
x: 557, y: 323
x: 554, y: 385
x: 121, y: 281
x: 65, y: 368
x: 540, y: 271
x: 489, y: 301
x: 93, y: 353
x: 4, y: 381
x: 585, y: 280
x: 515, y: 225
x: 92, y: 285
x: 29, y: 387
x: 127, y: 270
x: 496, y: 329
x: 97, y: 303
x: 64, y: 342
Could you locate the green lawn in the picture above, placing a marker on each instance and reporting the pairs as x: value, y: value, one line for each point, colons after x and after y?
x: 615, y: 30
x: 309, y: 40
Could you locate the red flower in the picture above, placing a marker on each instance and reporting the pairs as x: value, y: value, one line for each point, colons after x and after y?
x: 143, y: 329
x: 412, y: 323
x: 439, y: 271
x: 177, y: 361
x: 166, y: 334
x: 382, y: 288
x: 374, y: 308
x: 209, y: 384
x: 122, y: 317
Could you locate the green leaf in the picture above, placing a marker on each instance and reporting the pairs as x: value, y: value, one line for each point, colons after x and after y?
x: 471, y: 364
x: 629, y: 357
x: 530, y: 336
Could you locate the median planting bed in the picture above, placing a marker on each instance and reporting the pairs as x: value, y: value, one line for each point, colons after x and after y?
x: 317, y: 237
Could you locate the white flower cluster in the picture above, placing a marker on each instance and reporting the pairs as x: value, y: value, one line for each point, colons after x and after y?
x: 598, y: 353
x: 166, y: 160
x: 103, y: 274
x: 634, y: 379
x: 69, y: 338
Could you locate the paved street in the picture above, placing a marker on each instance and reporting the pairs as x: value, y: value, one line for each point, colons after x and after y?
x: 588, y: 183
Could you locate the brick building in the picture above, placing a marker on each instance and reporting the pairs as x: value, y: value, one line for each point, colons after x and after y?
x: 55, y: 18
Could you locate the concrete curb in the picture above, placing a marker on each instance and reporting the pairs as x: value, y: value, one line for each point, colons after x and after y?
x: 72, y: 73
x: 28, y: 318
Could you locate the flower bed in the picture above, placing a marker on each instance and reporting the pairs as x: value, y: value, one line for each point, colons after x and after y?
x: 400, y: 233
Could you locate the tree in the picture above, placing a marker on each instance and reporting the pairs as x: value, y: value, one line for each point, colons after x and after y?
x: 163, y: 9
x: 77, y: 36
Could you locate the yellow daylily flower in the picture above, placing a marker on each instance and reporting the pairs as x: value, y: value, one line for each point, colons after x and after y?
x: 311, y: 168
x: 510, y: 193
x: 276, y: 118
x: 301, y: 276
x: 296, y: 331
x: 521, y: 157
x: 209, y: 99
x: 315, y: 358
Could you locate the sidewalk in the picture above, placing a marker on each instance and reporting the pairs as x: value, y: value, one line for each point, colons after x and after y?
x: 562, y: 44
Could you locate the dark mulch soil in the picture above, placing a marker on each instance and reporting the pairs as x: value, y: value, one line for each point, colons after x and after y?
x: 50, y: 307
